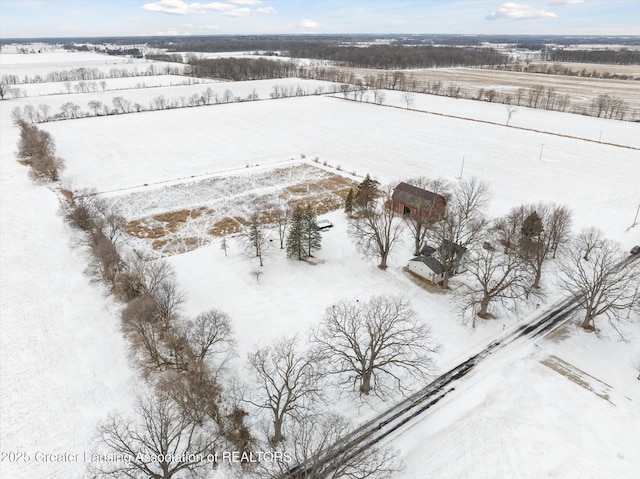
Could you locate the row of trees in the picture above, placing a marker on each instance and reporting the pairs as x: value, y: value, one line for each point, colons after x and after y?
x: 120, y: 105
x: 36, y: 149
x: 89, y: 74
x: 562, y: 69
x: 537, y: 96
x: 187, y: 414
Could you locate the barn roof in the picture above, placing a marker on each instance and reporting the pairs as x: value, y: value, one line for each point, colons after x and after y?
x: 412, y: 195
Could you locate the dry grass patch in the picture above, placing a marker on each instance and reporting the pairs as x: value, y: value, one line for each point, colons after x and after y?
x: 226, y: 226
x: 234, y: 198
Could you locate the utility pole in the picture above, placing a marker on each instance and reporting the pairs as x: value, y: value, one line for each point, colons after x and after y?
x: 461, y: 169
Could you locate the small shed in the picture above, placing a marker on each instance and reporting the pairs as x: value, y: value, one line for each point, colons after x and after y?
x: 418, y: 202
x: 427, y: 267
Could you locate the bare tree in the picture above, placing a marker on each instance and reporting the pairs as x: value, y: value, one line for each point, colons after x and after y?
x: 315, y: 447
x: 255, y: 238
x: 462, y: 226
x: 374, y: 343
x: 375, y: 229
x: 287, y: 382
x: 210, y: 335
x: 161, y: 443
x: 588, y: 239
x: 95, y: 106
x: 408, y: 98
x: 121, y: 105
x: 538, y: 230
x: 4, y: 89
x: 418, y: 223
x: 495, y: 277
x: 604, y: 284
x: 43, y: 112
x: 281, y: 216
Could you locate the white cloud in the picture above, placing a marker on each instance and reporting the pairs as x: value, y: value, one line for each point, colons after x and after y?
x: 266, y: 10
x: 517, y: 11
x: 237, y: 12
x: 565, y: 2
x: 176, y: 7
x: 307, y: 23
x: 230, y: 8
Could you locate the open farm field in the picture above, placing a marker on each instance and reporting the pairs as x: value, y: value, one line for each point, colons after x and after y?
x: 630, y: 70
x: 25, y: 67
x: 172, y: 91
x: 622, y: 133
x: 521, y: 166
x: 581, y: 91
x: 108, y: 84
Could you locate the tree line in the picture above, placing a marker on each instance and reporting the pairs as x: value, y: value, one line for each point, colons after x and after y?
x: 622, y: 56
x: 566, y: 70
x: 88, y: 74
x: 120, y: 105
x: 399, y: 57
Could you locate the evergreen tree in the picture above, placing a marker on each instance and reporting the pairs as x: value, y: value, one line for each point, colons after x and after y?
x: 348, y: 202
x: 367, y: 192
x: 295, y: 244
x: 532, y: 226
x: 311, y: 235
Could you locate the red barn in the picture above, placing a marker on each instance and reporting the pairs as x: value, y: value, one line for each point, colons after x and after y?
x: 413, y: 201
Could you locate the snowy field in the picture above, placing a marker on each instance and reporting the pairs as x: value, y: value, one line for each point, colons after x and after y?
x: 28, y: 66
x: 64, y: 365
x: 137, y: 90
x: 130, y: 151
x: 252, y: 55
x: 108, y: 84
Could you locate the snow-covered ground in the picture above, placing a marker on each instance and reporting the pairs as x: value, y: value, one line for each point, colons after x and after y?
x: 108, y: 84
x: 521, y: 166
x: 63, y: 361
x: 30, y: 65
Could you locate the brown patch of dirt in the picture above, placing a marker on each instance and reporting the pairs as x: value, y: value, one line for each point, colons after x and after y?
x: 579, y: 377
x: 159, y: 244
x: 424, y: 283
x: 225, y: 226
x: 140, y: 229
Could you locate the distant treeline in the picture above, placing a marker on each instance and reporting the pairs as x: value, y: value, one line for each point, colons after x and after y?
x: 397, y: 56
x: 613, y: 57
x: 239, y: 69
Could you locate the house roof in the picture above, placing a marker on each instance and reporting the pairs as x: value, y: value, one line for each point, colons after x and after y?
x: 449, y: 249
x: 427, y: 251
x: 414, y: 196
x: 431, y: 263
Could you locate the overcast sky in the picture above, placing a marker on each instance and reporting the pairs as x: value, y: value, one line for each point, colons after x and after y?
x: 73, y: 18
